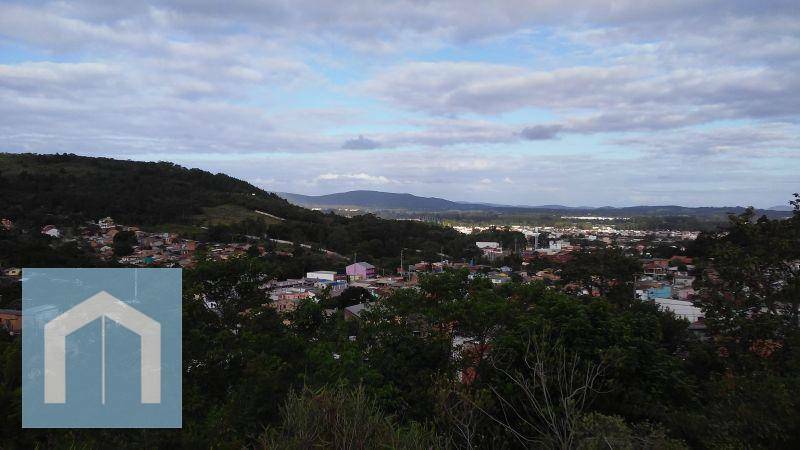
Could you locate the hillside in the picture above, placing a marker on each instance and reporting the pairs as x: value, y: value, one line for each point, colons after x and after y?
x: 68, y: 190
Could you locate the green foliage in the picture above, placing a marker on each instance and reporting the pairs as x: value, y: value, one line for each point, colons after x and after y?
x: 124, y: 242
x: 507, y: 237
x: 596, y: 431
x: 751, y: 293
x: 603, y: 270
x: 352, y: 295
x: 342, y: 418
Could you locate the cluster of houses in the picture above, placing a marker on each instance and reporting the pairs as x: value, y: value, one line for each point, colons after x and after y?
x: 162, y: 249
x: 286, y: 295
x: 562, y: 240
x: 666, y: 282
x: 661, y: 282
x: 669, y: 284
x: 159, y: 249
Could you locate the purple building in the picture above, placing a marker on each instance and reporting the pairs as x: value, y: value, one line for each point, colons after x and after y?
x: 360, y: 270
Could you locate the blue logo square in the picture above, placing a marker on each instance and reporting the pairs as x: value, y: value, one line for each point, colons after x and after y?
x: 101, y: 348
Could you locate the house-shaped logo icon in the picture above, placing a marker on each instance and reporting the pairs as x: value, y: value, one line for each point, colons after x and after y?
x: 101, y: 306
x: 101, y: 348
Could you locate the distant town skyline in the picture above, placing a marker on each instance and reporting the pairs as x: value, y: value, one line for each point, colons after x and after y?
x: 621, y: 103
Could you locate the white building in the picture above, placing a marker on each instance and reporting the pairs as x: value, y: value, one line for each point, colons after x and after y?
x: 681, y: 308
x: 322, y: 275
x: 52, y: 231
x: 106, y: 223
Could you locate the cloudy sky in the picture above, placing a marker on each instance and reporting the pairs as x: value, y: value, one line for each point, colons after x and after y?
x: 520, y: 102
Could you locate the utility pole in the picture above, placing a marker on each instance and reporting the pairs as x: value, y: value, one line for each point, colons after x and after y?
x: 402, y: 268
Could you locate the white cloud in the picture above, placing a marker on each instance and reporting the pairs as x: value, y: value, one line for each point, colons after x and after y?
x: 279, y: 92
x: 357, y: 177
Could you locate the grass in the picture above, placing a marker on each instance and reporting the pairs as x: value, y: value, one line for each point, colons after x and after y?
x: 228, y: 214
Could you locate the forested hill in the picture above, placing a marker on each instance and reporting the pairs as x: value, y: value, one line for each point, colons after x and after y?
x: 68, y: 190
x: 65, y: 189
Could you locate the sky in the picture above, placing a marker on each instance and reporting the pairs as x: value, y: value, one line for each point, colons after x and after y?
x: 586, y: 102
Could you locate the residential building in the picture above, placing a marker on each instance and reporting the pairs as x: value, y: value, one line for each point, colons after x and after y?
x: 681, y: 308
x: 11, y: 320
x: 106, y: 223
x: 51, y: 230
x: 288, y: 299
x: 355, y: 311
x: 488, y: 245
x: 360, y: 271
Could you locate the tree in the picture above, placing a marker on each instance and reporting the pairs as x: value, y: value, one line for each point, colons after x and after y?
x: 605, y: 270
x: 352, y: 295
x: 543, y: 403
x: 597, y: 431
x: 124, y: 242
x: 341, y: 418
x: 750, y: 294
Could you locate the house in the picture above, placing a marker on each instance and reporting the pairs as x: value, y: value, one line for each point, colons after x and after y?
x: 14, y: 272
x: 322, y: 275
x: 106, y: 223
x: 490, y: 250
x: 360, y: 271
x: 547, y: 274
x: 684, y: 293
x: 699, y: 329
x: 355, y: 311
x: 11, y: 320
x: 655, y: 268
x: 488, y: 245
x: 499, y: 278
x: 681, y: 308
x: 683, y: 281
x: 288, y: 299
x: 337, y: 287
x: 51, y: 230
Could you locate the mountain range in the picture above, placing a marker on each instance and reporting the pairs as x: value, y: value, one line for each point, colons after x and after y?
x: 387, y: 201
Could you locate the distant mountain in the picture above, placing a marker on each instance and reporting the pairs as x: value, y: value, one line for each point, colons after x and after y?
x: 389, y: 201
x: 780, y: 208
x: 382, y: 200
x: 377, y: 200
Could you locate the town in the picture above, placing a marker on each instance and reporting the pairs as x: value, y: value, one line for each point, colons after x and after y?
x: 665, y: 281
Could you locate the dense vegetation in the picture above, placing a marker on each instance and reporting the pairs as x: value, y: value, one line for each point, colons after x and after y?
x: 542, y: 368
